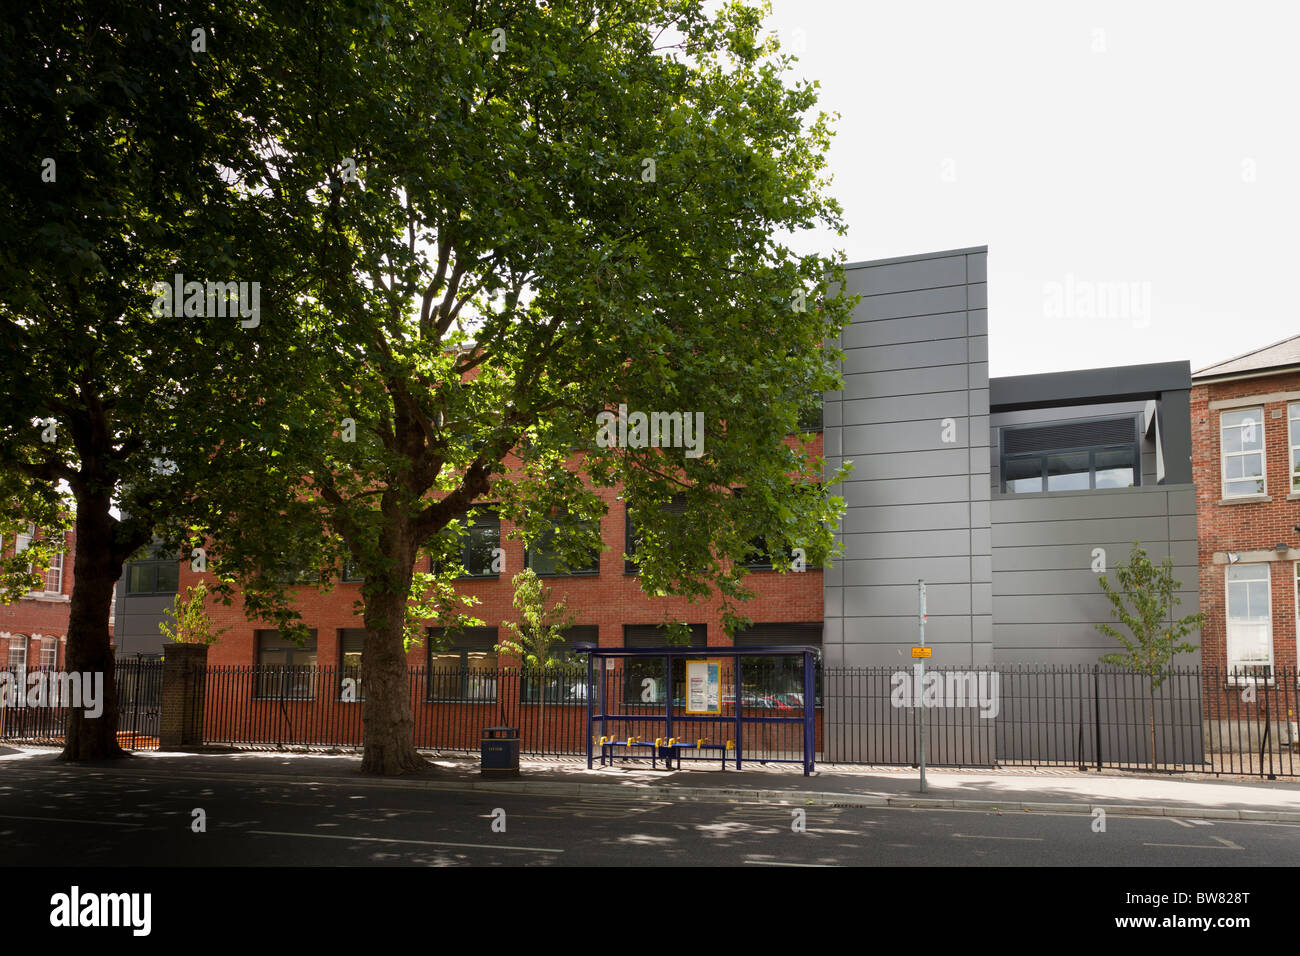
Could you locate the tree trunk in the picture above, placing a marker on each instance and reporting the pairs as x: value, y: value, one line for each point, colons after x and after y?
x: 89, y: 652
x: 389, y: 728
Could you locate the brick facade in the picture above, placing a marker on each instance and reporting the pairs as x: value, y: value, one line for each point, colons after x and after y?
x: 608, y: 600
x: 39, y: 618
x: 1248, y: 525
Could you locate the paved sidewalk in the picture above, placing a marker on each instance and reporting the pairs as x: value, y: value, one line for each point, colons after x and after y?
x: 1061, y: 791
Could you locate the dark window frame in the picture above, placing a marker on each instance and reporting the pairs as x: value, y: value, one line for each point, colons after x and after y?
x: 530, y: 553
x: 782, y: 670
x: 805, y: 423
x: 630, y: 566
x: 572, y: 667
x: 288, y: 669
x: 636, y: 669
x: 1043, y: 455
x: 463, y: 695
x: 153, y: 565
x: 486, y: 511
x: 349, y: 670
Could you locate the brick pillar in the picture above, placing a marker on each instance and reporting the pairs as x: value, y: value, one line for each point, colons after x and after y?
x: 183, y: 682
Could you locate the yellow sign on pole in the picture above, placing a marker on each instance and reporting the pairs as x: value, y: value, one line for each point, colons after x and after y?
x: 920, y: 652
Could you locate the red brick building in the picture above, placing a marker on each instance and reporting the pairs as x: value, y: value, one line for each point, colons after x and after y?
x: 1246, y: 459
x: 610, y: 606
x: 34, y: 629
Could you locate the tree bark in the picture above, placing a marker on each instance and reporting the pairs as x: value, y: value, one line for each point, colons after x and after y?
x: 389, y: 728
x: 96, y: 572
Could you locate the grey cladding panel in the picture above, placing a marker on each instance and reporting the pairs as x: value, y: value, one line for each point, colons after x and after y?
x: 909, y: 544
x: 940, y: 378
x: 905, y: 491
x: 907, y: 408
x: 920, y: 328
x: 1068, y: 557
x: 901, y: 600
x: 1078, y: 532
x: 901, y: 631
x: 908, y: 276
x: 901, y: 437
x: 905, y: 571
x: 911, y: 355
x: 1104, y: 504
x: 898, y: 305
x: 1077, y: 581
x: 950, y: 461
x: 906, y: 518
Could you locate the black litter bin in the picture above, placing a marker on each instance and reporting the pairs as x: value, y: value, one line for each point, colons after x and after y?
x: 500, y: 752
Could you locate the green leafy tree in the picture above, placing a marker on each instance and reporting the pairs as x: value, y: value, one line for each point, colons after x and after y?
x: 119, y: 122
x: 503, y: 219
x: 190, y: 623
x: 1143, y: 601
x: 534, y: 638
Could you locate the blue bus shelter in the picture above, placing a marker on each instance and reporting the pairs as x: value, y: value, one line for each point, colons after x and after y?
x: 607, y: 704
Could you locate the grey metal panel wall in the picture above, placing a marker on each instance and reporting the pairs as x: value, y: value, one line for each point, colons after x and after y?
x: 1046, y: 599
x: 916, y: 354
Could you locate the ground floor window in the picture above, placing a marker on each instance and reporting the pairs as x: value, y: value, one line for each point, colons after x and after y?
x: 776, y: 683
x: 1250, y: 618
x: 463, y: 664
x: 351, y: 640
x: 17, y: 660
x: 643, y: 677
x: 285, y: 670
x: 566, y: 679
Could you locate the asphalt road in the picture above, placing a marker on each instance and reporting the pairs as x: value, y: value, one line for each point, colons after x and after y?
x: 65, y: 818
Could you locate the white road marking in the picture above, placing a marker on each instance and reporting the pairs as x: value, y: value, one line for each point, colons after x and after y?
x: 467, y: 846
x: 976, y: 836
x: 1181, y: 823
x: 780, y: 863
x: 96, y: 823
x: 1227, y: 845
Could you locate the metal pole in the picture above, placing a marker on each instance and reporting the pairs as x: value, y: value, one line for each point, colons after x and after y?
x: 588, y: 694
x: 920, y: 594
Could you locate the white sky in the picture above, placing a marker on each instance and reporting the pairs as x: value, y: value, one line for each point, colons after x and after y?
x: 996, y: 123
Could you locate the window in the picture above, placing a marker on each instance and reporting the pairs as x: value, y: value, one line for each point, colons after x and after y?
x: 54, y: 575
x: 1293, y: 426
x: 1071, y: 456
x: 285, y: 671
x: 351, y: 573
x: 544, y: 557
x: 351, y: 640
x: 643, y: 677
x: 1250, y: 616
x: 463, y: 664
x: 49, y: 653
x: 478, y: 546
x: 17, y: 653
x: 757, y: 557
x: 1241, y: 440
x: 632, y: 538
x: 810, y: 415
x: 776, y: 683
x: 566, y: 679
x: 152, y: 577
